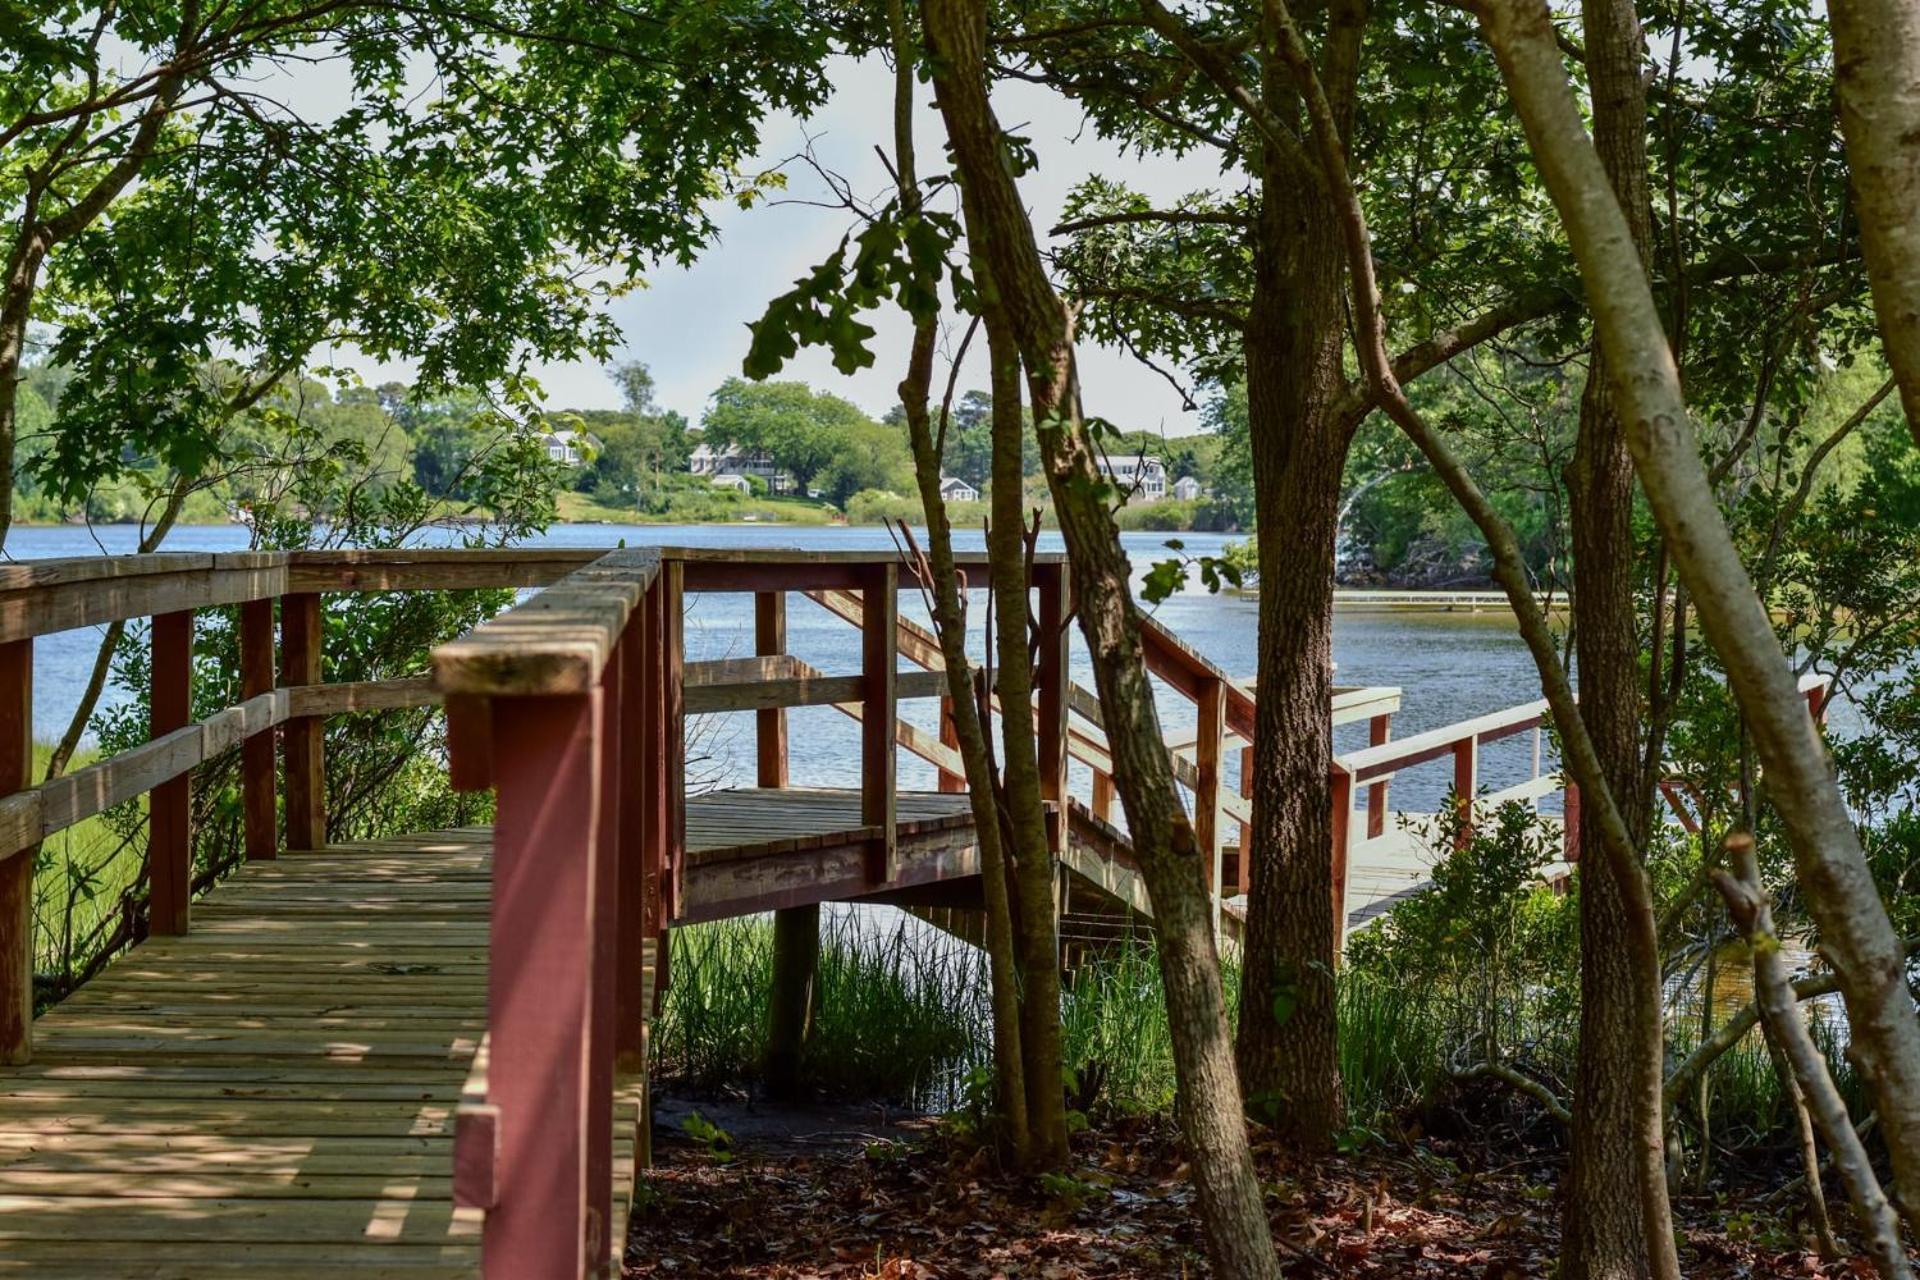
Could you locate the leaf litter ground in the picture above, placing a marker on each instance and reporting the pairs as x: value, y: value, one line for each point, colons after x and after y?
x: 749, y: 1191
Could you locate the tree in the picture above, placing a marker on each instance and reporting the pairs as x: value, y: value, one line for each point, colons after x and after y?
x: 1010, y: 271
x: 162, y: 205
x: 800, y: 429
x: 635, y: 381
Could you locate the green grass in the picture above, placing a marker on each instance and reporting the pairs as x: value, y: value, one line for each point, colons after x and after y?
x: 78, y: 877
x: 721, y: 507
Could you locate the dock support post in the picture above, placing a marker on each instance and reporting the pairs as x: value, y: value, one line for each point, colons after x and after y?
x: 880, y: 605
x: 770, y: 725
x: 796, y: 964
x: 303, y: 738
x: 1379, y: 732
x: 169, y: 804
x: 550, y: 1218
x: 16, y: 873
x: 256, y: 754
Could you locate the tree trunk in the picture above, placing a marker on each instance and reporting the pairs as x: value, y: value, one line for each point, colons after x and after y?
x: 948, y: 608
x: 1856, y: 934
x: 1001, y: 235
x: 1037, y: 934
x: 16, y: 309
x: 1876, y: 71
x: 1618, y: 1223
x: 1288, y: 1049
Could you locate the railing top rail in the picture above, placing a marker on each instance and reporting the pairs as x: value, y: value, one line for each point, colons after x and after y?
x: 1372, y: 762
x: 555, y: 642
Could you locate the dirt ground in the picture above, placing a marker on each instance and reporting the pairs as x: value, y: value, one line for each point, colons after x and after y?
x: 855, y: 1192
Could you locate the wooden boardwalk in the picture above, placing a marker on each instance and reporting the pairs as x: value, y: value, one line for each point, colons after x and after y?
x: 272, y: 1094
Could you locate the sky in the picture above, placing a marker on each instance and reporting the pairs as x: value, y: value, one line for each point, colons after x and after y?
x: 689, y: 325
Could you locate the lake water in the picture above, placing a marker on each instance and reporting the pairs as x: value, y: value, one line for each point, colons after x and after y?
x: 1450, y: 666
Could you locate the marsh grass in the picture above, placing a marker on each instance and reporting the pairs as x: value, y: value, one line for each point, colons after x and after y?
x: 901, y: 1014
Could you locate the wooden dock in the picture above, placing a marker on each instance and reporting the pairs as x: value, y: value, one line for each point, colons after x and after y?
x: 425, y: 1056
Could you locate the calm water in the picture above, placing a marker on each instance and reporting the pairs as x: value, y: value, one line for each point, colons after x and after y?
x: 1450, y: 666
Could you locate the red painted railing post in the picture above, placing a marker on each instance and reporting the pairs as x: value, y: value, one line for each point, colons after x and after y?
x: 1570, y: 822
x: 1246, y: 828
x: 950, y: 782
x: 1341, y: 786
x: 169, y: 805
x: 549, y: 1218
x: 257, y: 805
x: 303, y: 738
x: 1466, y: 780
x: 1051, y: 678
x: 1210, y: 730
x: 673, y: 695
x: 878, y: 756
x: 639, y: 799
x: 16, y: 873
x: 1379, y: 732
x: 770, y: 725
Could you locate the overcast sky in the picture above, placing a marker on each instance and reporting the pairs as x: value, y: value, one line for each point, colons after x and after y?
x: 689, y: 326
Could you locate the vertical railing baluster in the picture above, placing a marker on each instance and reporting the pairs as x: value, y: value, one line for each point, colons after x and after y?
x: 169, y: 815
x: 1210, y: 729
x: 878, y: 755
x: 1051, y: 676
x: 258, y: 811
x: 770, y: 724
x: 638, y: 886
x: 1245, y: 878
x: 673, y: 654
x: 548, y: 762
x: 16, y: 872
x: 303, y: 738
x: 1342, y: 788
x: 1379, y: 733
x: 950, y: 782
x: 602, y: 915
x: 1466, y: 780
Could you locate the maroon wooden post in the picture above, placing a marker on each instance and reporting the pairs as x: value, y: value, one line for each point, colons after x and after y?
x: 548, y: 1217
x: 16, y: 872
x: 1103, y: 795
x: 950, y: 782
x: 303, y: 738
x: 770, y: 725
x: 1209, y: 739
x: 639, y: 887
x: 1570, y: 823
x: 1466, y: 780
x: 1342, y: 788
x: 602, y: 913
x: 169, y: 816
x: 258, y: 813
x: 1379, y: 733
x: 1246, y: 828
x: 1050, y: 680
x: 878, y: 637
x: 674, y: 755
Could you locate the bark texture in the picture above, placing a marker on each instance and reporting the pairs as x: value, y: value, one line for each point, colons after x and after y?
x: 1876, y: 56
x: 1856, y: 935
x: 1618, y: 1224
x: 948, y: 609
x: 1001, y: 235
x: 1288, y: 1040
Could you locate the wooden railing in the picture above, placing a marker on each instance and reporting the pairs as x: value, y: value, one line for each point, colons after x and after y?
x: 572, y: 706
x: 39, y: 598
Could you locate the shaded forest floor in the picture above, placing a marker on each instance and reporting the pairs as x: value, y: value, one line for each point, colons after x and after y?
x: 744, y: 1192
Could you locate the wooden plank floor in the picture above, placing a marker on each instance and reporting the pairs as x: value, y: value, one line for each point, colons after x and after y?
x: 271, y: 1095
x: 747, y: 820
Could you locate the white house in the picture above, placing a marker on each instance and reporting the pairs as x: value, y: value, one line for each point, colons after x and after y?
x: 1186, y: 489
x: 732, y: 460
x: 569, y: 447
x: 738, y: 483
x: 1141, y: 478
x: 954, y: 489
